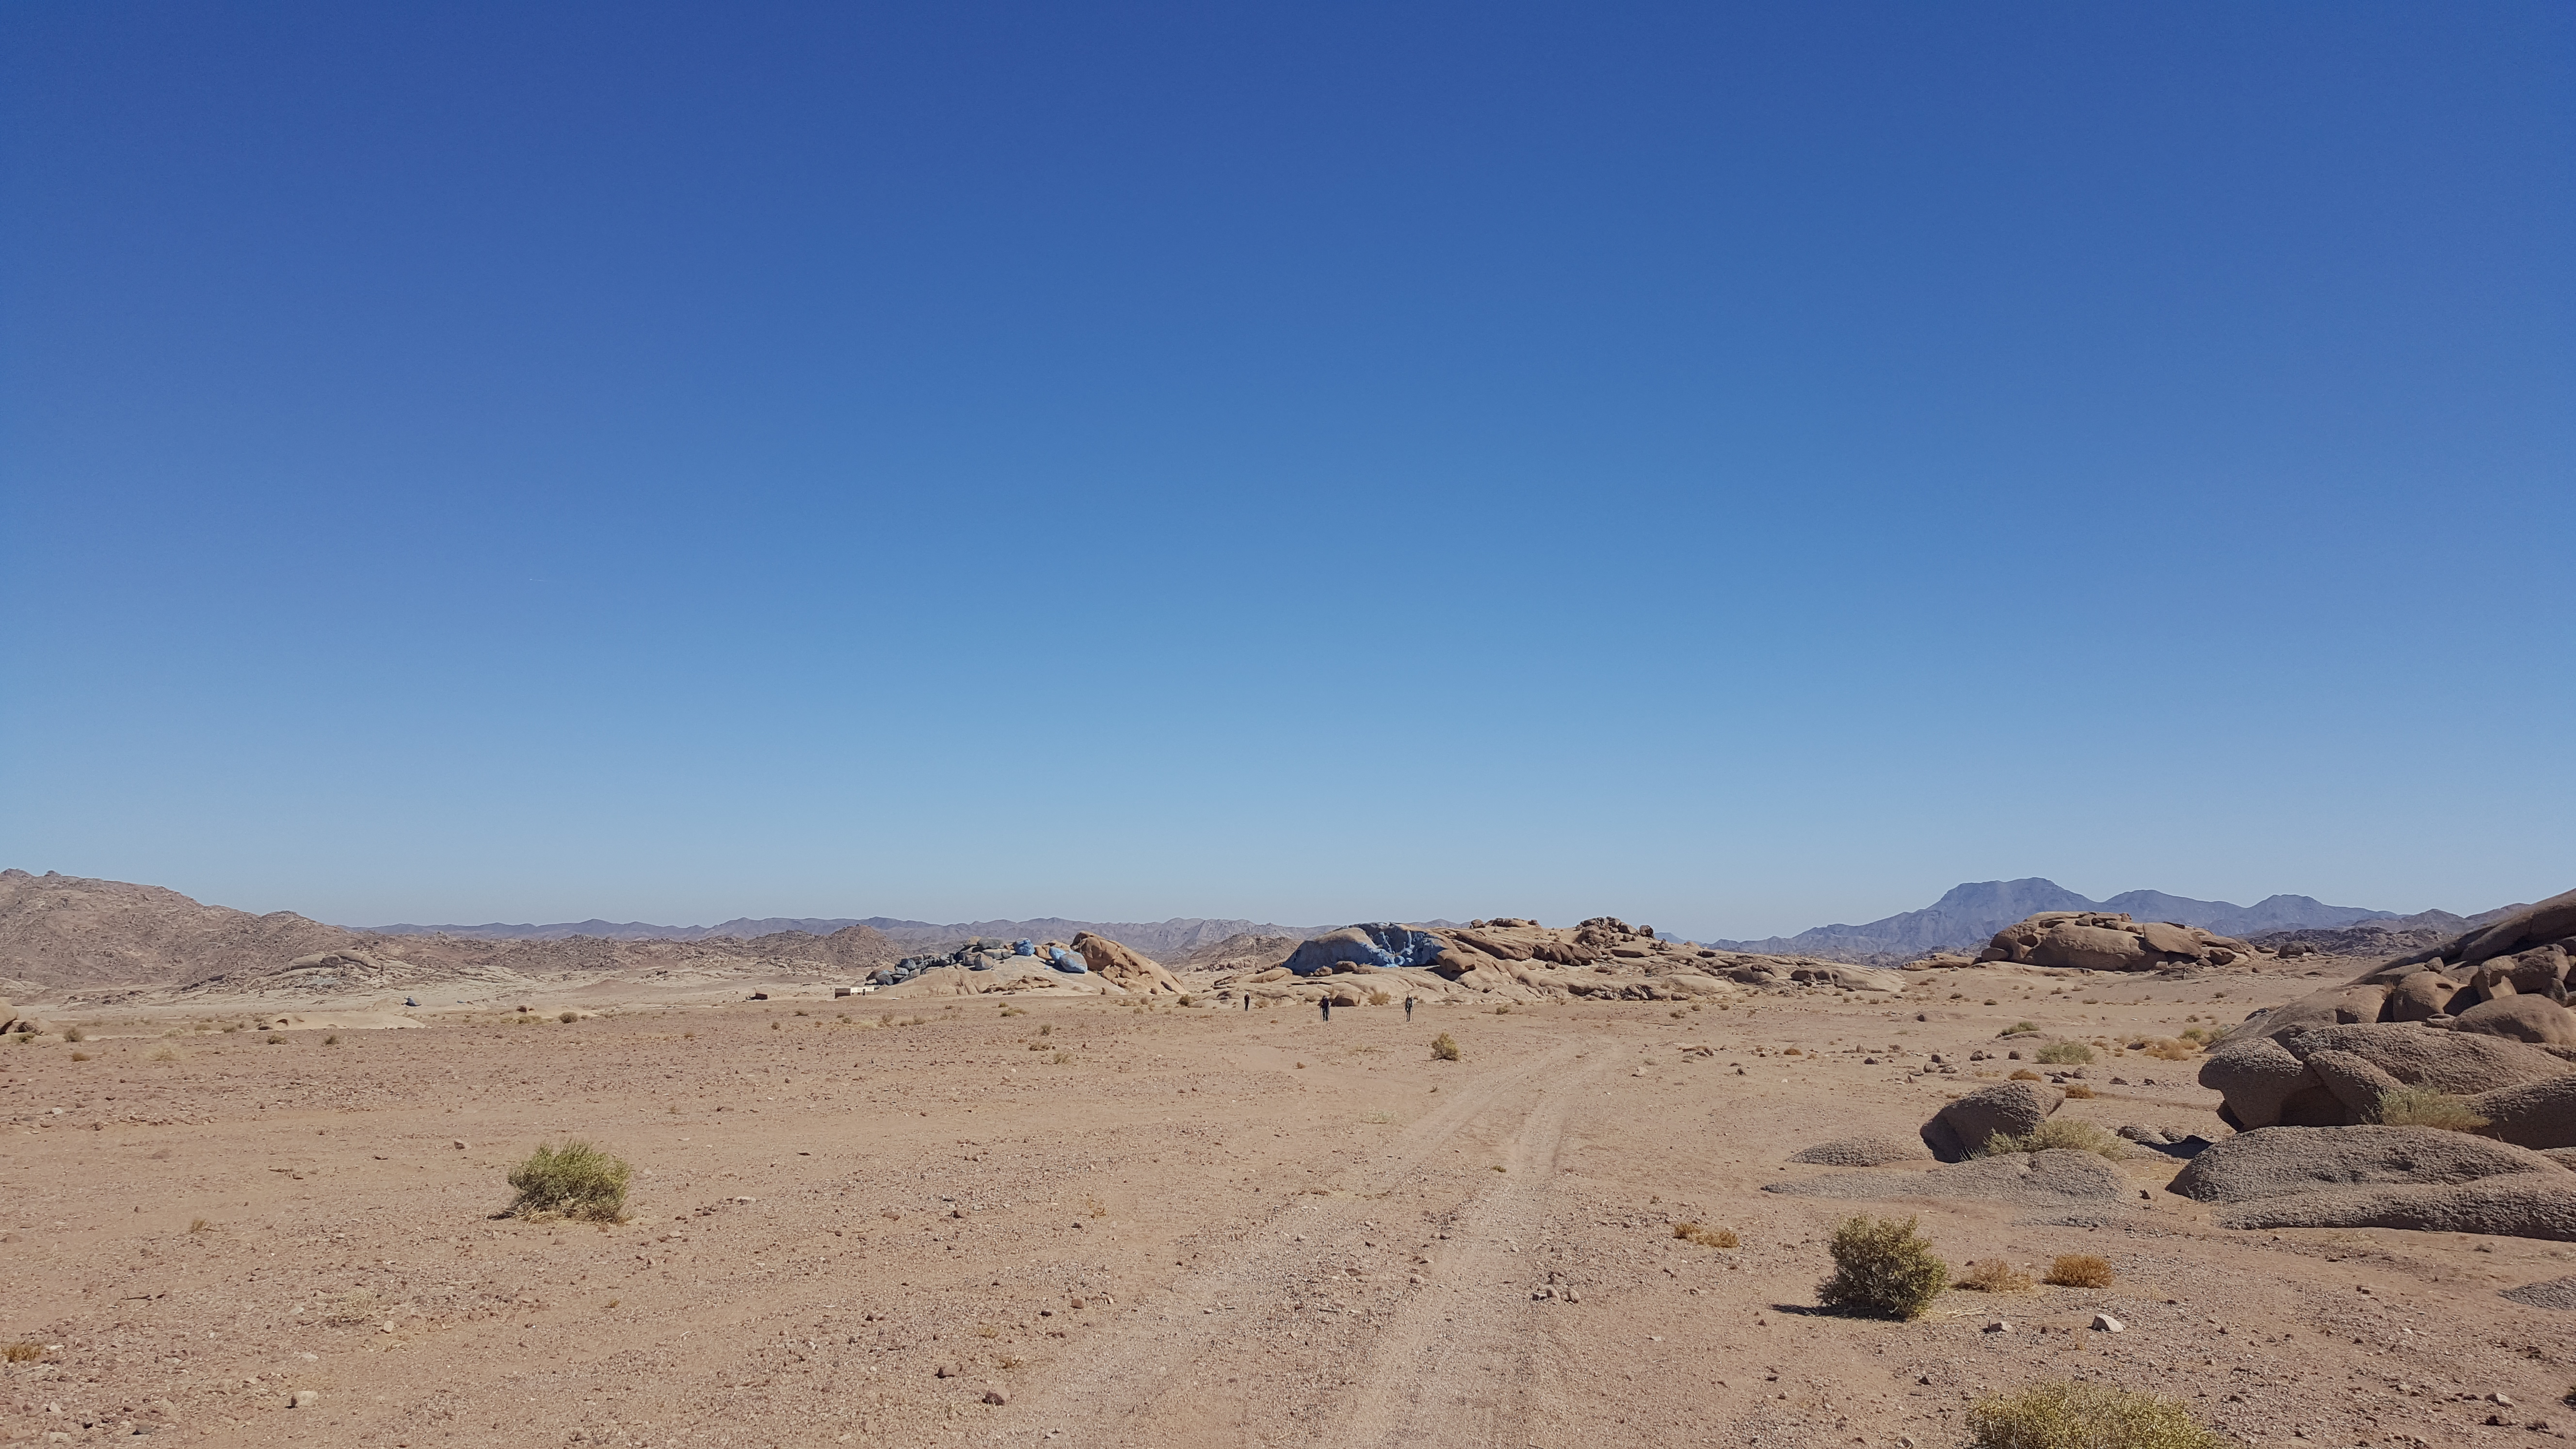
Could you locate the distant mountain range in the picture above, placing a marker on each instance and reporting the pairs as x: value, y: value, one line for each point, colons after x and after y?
x: 1174, y: 937
x: 1966, y: 917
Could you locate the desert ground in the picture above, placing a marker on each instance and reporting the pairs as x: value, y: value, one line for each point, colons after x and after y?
x: 1087, y: 1221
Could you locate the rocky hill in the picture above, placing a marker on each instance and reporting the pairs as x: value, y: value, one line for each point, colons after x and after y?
x: 72, y: 933
x: 1966, y: 917
x: 1174, y: 937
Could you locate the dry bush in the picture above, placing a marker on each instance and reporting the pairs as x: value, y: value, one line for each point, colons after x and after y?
x: 1047, y: 1030
x: 1994, y: 1275
x: 2079, y: 1091
x: 165, y: 1055
x: 1062, y: 1058
x: 1705, y: 1237
x: 1444, y: 1048
x: 1883, y: 1267
x: 1008, y: 1010
x: 2069, y: 1132
x: 568, y: 1017
x: 22, y: 1352
x: 2068, y: 1415
x: 1376, y: 998
x: 276, y: 1038
x: 2064, y: 1053
x: 2025, y: 1074
x: 576, y: 1180
x: 73, y: 1033
x: 2167, y: 1049
x: 332, y: 1040
x: 352, y: 1308
x: 2425, y: 1107
x: 200, y: 1225
x: 2079, y: 1270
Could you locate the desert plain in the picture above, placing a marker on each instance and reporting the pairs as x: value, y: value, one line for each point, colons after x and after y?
x: 1035, y: 1219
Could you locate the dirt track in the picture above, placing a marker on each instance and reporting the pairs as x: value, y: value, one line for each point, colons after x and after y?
x: 1155, y: 1229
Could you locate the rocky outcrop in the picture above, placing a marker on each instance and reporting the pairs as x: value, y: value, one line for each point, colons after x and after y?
x: 1861, y: 1152
x: 2110, y: 941
x: 2057, y: 1178
x: 2332, y: 1075
x: 1124, y: 968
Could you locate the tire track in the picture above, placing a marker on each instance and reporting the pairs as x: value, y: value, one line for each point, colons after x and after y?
x: 1133, y: 1388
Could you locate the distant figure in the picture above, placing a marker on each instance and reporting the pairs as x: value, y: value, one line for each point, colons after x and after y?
x: 1327, y: 1004
x: 1247, y: 1001
x: 407, y: 1001
x: 1408, y: 1008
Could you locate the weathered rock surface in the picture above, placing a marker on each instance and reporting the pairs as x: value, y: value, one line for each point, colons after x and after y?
x: 2522, y: 1205
x: 1862, y: 1152
x: 2055, y: 1178
x: 2284, y: 1161
x: 2275, y: 1078
x: 2010, y: 1109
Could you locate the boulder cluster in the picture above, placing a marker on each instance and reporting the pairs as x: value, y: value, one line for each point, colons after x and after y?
x: 2110, y: 941
x: 1517, y: 959
x: 2355, y: 1103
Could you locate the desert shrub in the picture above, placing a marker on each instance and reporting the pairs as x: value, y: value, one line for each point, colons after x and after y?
x: 568, y: 1017
x: 80, y: 1056
x: 276, y: 1038
x: 2079, y: 1091
x: 774, y: 1026
x: 2024, y: 1074
x: 2068, y: 1053
x: 1061, y: 1058
x: 1376, y: 998
x: 2425, y: 1107
x: 22, y: 1352
x: 200, y: 1225
x: 1444, y: 1048
x: 1994, y: 1275
x: 2167, y: 1049
x: 1883, y: 1267
x: 1009, y: 1010
x: 576, y: 1180
x: 2194, y: 1033
x: 73, y: 1033
x: 2079, y: 1270
x: 1188, y: 1000
x: 2073, y: 1132
x: 332, y: 1040
x: 1705, y: 1237
x: 1047, y: 1030
x: 165, y: 1055
x: 2067, y: 1415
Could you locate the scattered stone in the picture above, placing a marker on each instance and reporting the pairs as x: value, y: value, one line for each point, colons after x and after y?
x: 303, y: 1399
x: 995, y: 1397
x: 2105, y: 1323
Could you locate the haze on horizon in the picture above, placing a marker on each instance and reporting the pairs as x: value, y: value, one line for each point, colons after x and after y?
x: 1734, y: 470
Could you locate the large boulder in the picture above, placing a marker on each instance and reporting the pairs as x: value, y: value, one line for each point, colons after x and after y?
x: 2353, y: 1081
x: 2255, y: 1078
x: 2521, y: 1205
x: 2535, y: 1019
x: 2010, y: 1109
x: 2282, y: 1161
x: 2092, y: 948
x: 1115, y: 963
x: 2551, y: 920
x: 2540, y: 1115
x: 2421, y: 994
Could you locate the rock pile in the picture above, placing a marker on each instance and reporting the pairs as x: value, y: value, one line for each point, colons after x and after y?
x: 1124, y: 968
x: 2110, y: 941
x: 11, y: 1023
x: 2006, y: 1109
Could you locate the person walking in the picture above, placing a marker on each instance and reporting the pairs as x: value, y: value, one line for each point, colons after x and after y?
x: 1408, y: 1010
x: 1327, y: 1004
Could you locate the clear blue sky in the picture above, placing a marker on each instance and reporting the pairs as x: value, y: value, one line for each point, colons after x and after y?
x: 1731, y: 468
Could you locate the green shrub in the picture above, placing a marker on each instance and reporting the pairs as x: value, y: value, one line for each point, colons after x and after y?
x: 575, y: 1180
x: 1883, y: 1267
x: 2066, y: 1415
x: 2068, y: 1053
x: 2425, y: 1107
x: 1444, y: 1047
x: 2069, y: 1132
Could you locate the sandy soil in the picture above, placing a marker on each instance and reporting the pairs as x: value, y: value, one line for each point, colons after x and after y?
x: 1165, y: 1226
